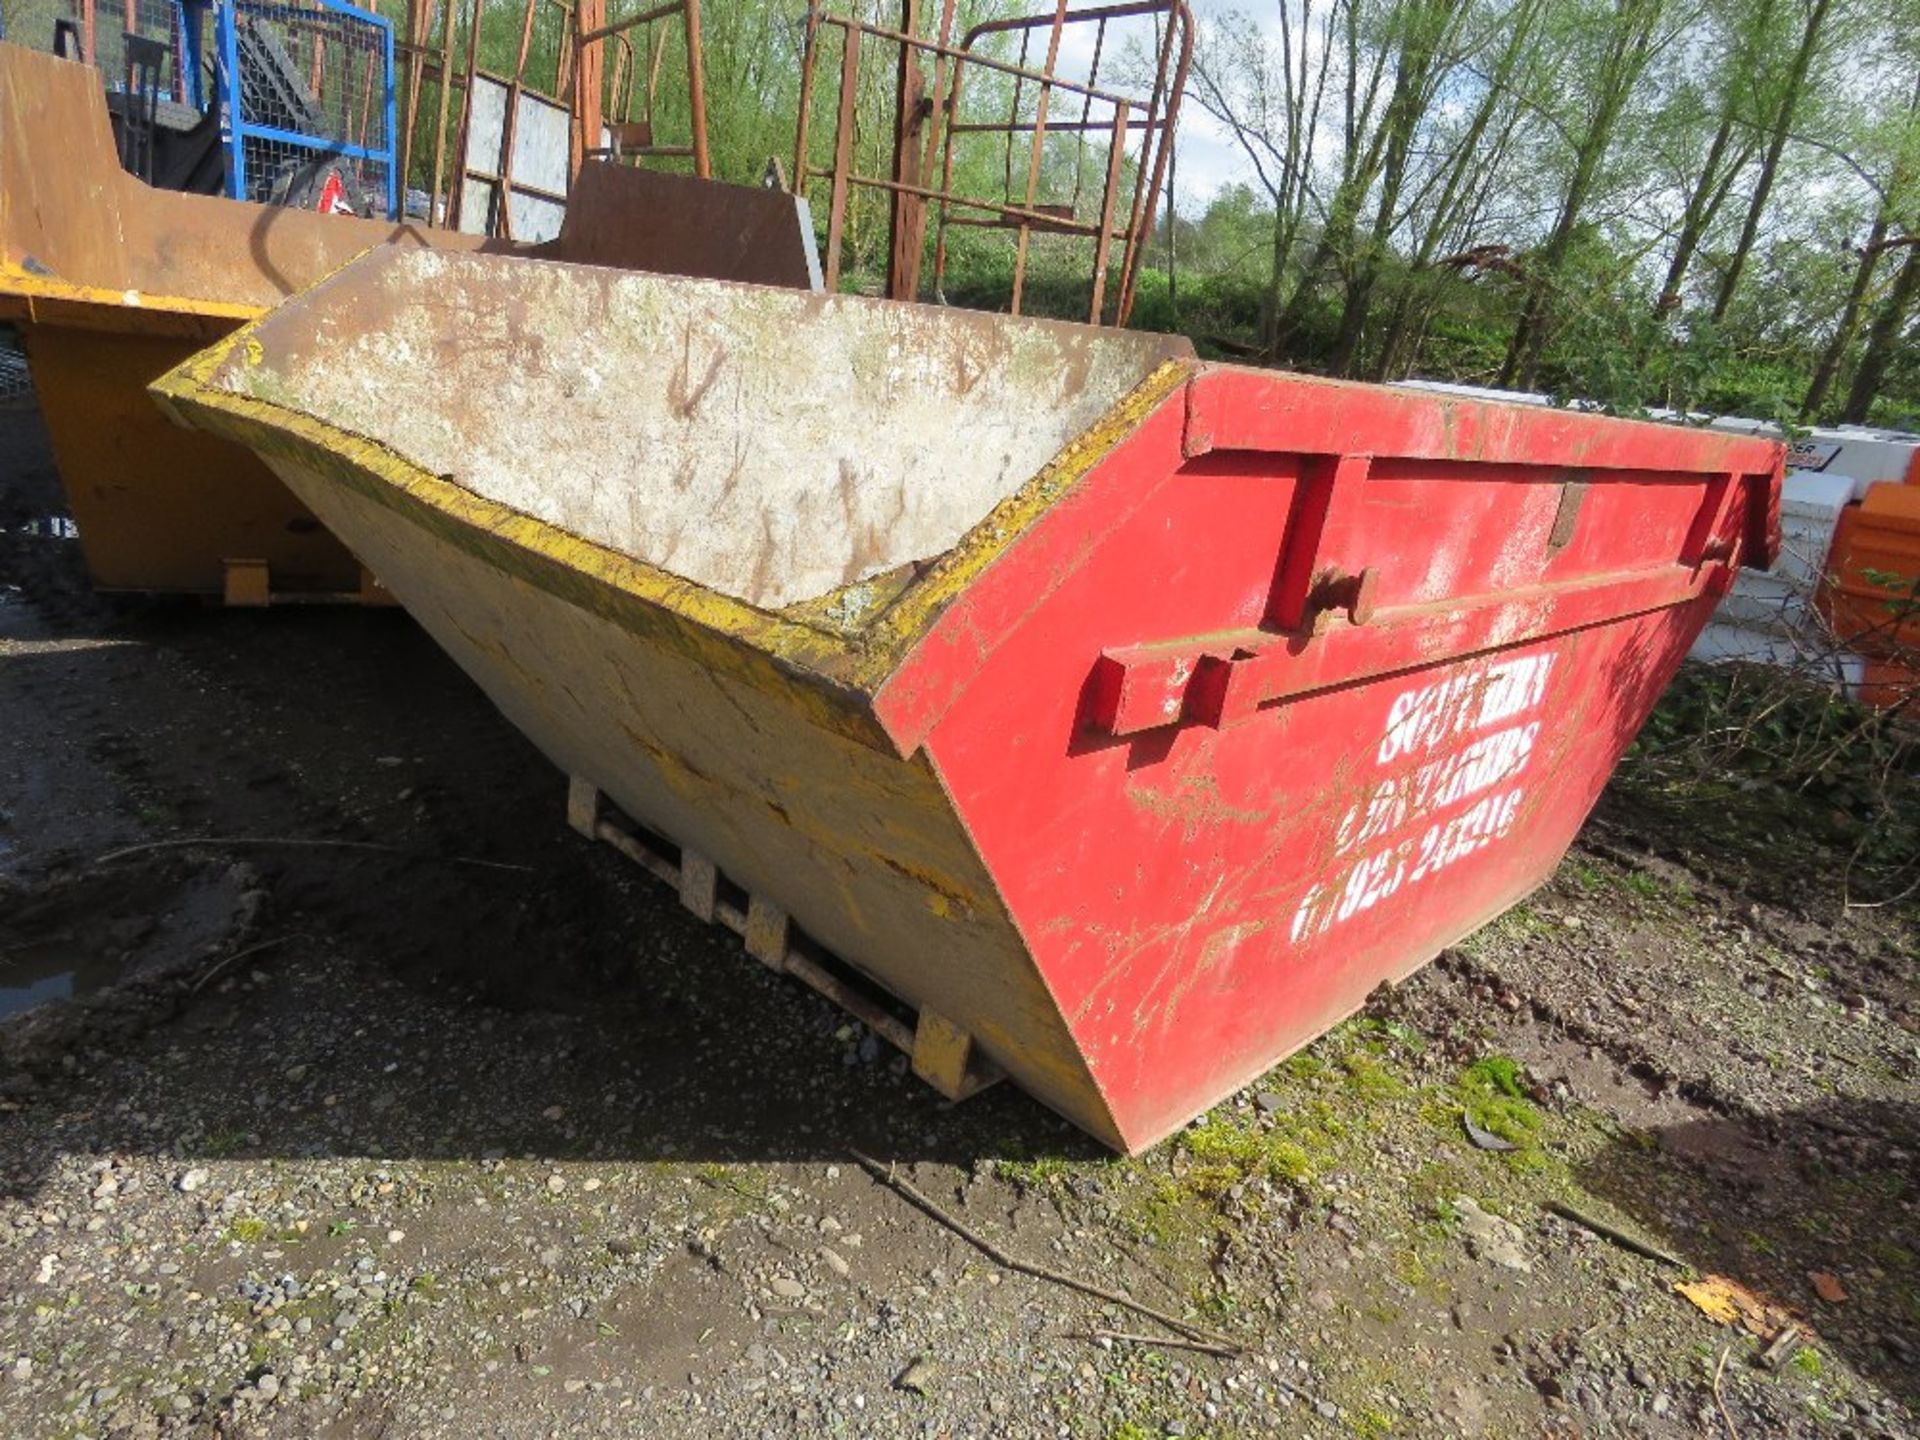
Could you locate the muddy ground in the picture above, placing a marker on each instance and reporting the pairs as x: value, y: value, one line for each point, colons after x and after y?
x: 478, y: 1133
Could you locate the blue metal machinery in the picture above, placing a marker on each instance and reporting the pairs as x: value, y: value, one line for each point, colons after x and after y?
x: 281, y: 102
x: 307, y: 96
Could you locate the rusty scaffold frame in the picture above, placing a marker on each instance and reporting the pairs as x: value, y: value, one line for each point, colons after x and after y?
x: 633, y: 138
x: 927, y: 127
x: 620, y: 94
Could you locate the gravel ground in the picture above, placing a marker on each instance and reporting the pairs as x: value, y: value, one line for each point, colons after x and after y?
x: 480, y: 1134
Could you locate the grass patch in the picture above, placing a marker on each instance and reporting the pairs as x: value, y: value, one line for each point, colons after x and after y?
x: 1371, y: 1080
x: 1038, y: 1174
x: 1226, y: 1155
x: 750, y: 1186
x: 1586, y: 876
x: 1638, y: 882
x: 1521, y: 921
x: 1432, y: 1185
x: 1494, y: 1096
x: 1497, y: 1075
x: 1769, y: 758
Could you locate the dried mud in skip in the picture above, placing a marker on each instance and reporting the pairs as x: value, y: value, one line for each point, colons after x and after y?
x: 345, y: 1141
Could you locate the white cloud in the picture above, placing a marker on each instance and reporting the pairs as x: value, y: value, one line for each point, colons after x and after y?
x: 1208, y: 157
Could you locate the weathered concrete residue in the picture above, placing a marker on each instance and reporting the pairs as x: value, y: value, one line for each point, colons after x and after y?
x: 766, y: 444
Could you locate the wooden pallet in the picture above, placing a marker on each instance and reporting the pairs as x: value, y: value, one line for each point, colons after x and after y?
x: 942, y: 1052
x: 248, y: 585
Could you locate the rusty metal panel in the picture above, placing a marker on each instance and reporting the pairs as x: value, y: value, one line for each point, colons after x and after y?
x: 111, y: 283
x: 83, y: 242
x: 692, y: 227
x: 1131, y: 717
x: 1060, y: 53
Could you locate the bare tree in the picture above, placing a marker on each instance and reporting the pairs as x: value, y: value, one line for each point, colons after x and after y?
x: 1630, y: 33
x: 1887, y: 333
x: 1792, y: 87
x: 1270, y: 95
x: 1468, y: 162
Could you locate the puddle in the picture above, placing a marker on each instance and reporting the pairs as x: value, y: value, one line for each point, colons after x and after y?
x: 70, y: 939
x: 33, y: 974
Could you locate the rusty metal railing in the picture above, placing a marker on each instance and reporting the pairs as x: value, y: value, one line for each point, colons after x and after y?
x: 586, y: 65
x: 430, y: 63
x: 635, y: 138
x: 929, y: 130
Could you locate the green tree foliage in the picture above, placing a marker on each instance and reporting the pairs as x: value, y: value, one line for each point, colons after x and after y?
x: 1638, y: 202
x: 1710, y: 205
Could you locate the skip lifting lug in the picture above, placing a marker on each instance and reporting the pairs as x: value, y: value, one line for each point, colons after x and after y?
x: 1357, y: 594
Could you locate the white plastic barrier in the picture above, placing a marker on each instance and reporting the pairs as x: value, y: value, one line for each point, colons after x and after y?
x: 1769, y: 618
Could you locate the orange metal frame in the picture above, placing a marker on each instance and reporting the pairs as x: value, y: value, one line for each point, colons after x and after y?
x: 626, y: 76
x: 927, y: 129
x: 430, y: 58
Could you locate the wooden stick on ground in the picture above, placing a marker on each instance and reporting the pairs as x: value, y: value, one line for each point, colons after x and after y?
x: 1783, y: 1346
x: 223, y: 965
x: 1618, y: 1236
x: 884, y: 1174
x: 1173, y: 1342
x: 1720, y: 1400
x: 256, y: 842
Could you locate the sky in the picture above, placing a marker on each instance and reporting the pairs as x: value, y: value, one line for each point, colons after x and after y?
x: 1207, y: 158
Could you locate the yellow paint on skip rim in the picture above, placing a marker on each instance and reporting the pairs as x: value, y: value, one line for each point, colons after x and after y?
x: 27, y: 296
x: 770, y: 650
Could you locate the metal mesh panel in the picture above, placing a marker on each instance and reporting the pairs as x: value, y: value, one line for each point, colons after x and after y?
x: 311, y: 89
x: 154, y: 19
x: 102, y: 27
x: 15, y: 383
x: 30, y: 22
